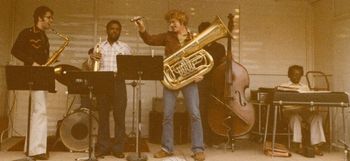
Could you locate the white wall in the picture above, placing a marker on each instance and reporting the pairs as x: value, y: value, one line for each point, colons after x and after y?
x: 332, y: 47
x: 273, y: 36
x: 5, y: 44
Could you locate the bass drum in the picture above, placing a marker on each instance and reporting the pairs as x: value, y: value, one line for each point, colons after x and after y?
x: 74, y: 129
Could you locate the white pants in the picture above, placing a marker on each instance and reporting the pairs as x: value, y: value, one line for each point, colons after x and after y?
x: 316, y: 128
x: 38, y: 124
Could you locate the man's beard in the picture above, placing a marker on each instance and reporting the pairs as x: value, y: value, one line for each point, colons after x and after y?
x: 113, y: 38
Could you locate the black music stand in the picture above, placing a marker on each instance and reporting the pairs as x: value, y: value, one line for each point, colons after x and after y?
x: 30, y: 78
x: 90, y: 83
x: 139, y: 67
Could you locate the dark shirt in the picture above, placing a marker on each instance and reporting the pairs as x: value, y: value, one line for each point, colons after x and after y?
x: 167, y: 39
x: 217, y: 51
x: 31, y: 46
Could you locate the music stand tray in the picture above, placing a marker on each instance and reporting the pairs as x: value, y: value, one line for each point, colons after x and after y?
x: 80, y: 81
x: 30, y: 78
x: 18, y: 77
x: 129, y: 67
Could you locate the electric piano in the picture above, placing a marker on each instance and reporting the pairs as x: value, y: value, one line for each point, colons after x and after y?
x: 311, y: 98
x: 308, y: 98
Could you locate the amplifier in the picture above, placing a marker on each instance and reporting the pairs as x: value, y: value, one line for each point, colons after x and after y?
x: 262, y: 95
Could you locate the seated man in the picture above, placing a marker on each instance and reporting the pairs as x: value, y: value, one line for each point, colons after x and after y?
x: 298, y: 114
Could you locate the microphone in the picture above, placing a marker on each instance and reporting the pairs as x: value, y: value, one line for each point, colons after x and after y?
x: 136, y: 18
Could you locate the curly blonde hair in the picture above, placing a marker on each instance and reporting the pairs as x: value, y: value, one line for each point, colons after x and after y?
x: 177, y: 14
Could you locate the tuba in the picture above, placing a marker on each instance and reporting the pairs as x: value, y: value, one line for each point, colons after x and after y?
x: 58, y: 52
x: 191, y: 61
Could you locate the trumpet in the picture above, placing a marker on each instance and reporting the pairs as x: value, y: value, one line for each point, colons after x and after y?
x: 97, y: 63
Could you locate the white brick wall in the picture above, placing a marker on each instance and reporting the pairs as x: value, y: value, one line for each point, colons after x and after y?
x: 274, y: 35
x: 332, y: 47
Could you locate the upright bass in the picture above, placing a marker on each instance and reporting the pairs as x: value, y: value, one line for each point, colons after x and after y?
x: 229, y: 113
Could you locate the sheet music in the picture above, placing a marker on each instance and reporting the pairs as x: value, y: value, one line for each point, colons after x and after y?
x: 301, y: 91
x: 287, y: 88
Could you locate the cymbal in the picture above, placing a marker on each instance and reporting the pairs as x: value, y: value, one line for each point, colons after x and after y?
x: 61, y: 72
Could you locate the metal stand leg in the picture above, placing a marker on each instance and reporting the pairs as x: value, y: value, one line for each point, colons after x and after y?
x: 91, y: 155
x: 138, y: 156
x: 330, y: 122
x: 274, y: 129
x: 266, y: 124
x: 132, y: 133
x: 346, y: 150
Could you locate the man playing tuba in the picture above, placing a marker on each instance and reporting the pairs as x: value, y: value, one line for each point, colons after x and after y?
x: 173, y: 40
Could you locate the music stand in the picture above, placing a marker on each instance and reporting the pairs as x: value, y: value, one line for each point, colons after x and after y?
x: 30, y: 78
x: 90, y: 83
x: 139, y: 67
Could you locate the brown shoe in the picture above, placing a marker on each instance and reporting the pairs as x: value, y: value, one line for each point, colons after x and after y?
x: 161, y: 154
x: 300, y: 151
x: 318, y: 151
x: 198, y: 156
x: 43, y: 156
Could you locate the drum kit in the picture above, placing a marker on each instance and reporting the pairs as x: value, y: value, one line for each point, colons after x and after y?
x: 73, y: 129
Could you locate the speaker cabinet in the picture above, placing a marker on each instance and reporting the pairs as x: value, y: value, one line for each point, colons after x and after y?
x: 181, y: 132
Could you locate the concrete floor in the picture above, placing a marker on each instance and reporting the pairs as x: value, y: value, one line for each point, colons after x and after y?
x: 245, y: 151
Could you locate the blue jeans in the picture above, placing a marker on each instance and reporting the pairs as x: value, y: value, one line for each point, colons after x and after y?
x: 190, y: 93
x: 115, y: 101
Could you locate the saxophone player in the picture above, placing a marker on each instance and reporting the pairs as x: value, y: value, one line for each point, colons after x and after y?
x: 177, y: 36
x: 32, y: 48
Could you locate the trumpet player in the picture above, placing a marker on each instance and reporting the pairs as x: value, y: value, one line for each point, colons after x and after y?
x: 32, y: 48
x: 177, y: 35
x: 105, y: 53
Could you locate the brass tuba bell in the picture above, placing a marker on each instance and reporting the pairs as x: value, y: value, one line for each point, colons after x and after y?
x: 191, y: 61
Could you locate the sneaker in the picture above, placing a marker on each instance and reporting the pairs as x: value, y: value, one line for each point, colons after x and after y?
x: 43, y: 156
x: 198, y: 156
x: 161, y: 154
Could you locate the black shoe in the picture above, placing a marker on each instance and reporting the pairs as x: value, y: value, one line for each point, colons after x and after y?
x: 44, y: 156
x: 100, y: 154
x: 118, y: 154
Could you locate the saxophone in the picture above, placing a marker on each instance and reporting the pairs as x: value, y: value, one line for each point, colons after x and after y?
x: 58, y: 52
